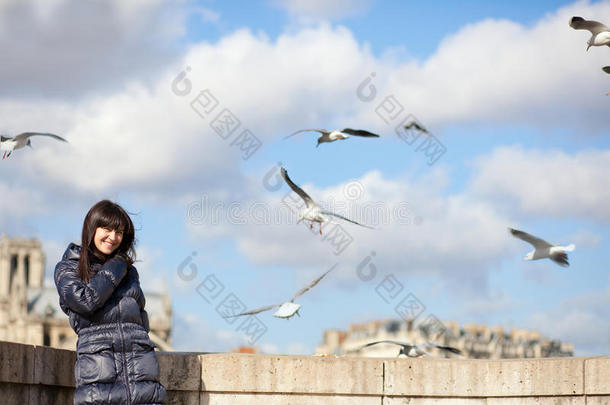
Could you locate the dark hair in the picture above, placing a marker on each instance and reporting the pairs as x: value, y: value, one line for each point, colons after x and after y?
x: 105, y: 214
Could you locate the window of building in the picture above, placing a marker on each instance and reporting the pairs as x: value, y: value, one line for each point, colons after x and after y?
x: 26, y: 266
x: 13, y: 271
x: 46, y: 338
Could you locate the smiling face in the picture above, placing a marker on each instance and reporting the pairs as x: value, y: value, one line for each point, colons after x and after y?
x: 107, y: 240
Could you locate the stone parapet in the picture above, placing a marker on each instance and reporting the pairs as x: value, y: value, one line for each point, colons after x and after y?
x: 43, y: 375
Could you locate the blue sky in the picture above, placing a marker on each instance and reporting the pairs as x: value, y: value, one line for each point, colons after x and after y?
x: 506, y: 88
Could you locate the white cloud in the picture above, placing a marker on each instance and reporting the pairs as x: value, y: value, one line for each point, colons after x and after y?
x: 67, y: 48
x: 546, y: 183
x: 501, y: 72
x: 458, y: 237
x: 146, y: 138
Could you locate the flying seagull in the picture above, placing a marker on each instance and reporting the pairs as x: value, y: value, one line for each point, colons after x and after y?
x: 410, y: 350
x: 543, y: 249
x: 9, y: 144
x: 600, y: 34
x: 418, y: 127
x: 331, y: 136
x: 312, y: 211
x: 289, y: 308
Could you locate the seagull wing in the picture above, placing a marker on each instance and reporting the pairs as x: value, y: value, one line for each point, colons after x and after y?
x: 386, y: 341
x: 417, y: 126
x: 359, y: 132
x: 537, y: 242
x: 448, y: 348
x: 606, y: 68
x: 312, y: 284
x: 322, y: 131
x: 25, y: 135
x: 308, y: 201
x: 5, y: 138
x: 254, y: 311
x: 346, y: 219
x: 579, y: 23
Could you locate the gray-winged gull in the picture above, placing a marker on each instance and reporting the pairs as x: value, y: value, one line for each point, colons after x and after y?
x: 410, y: 350
x: 9, y: 144
x: 544, y: 249
x: 600, y: 34
x: 312, y: 211
x: 289, y: 308
x: 335, y: 134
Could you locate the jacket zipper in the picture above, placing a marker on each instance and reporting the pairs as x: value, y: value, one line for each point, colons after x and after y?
x: 124, y: 357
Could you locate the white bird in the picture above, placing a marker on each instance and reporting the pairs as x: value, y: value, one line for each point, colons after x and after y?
x: 410, y: 350
x: 289, y: 308
x: 543, y: 249
x: 312, y: 211
x: 600, y: 34
x: 331, y: 136
x: 9, y: 144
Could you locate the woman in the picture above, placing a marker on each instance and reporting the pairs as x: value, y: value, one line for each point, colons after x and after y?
x: 99, y: 290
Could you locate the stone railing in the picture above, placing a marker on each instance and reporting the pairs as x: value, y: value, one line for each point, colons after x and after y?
x: 41, y: 375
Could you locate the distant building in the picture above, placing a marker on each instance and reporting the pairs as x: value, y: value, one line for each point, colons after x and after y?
x: 475, y: 341
x: 30, y: 312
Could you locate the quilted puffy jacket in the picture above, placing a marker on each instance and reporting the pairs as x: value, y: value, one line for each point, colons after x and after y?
x: 115, y: 358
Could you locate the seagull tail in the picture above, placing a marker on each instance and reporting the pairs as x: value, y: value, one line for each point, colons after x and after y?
x: 570, y: 248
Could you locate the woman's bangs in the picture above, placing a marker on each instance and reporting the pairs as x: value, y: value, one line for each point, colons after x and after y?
x: 114, y: 220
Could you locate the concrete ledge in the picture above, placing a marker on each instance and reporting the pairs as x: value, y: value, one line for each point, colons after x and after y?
x: 484, y: 378
x: 180, y: 371
x: 291, y: 374
x: 42, y: 375
x: 16, y: 363
x: 597, y: 372
x: 54, y: 367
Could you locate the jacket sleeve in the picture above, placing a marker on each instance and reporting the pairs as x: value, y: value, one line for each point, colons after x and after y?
x: 139, y: 296
x: 145, y: 321
x: 84, y: 298
x: 137, y: 293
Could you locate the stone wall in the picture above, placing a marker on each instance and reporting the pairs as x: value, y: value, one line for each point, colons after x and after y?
x: 43, y: 375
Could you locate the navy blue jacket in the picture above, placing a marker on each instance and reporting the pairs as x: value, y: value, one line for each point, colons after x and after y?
x: 116, y: 362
